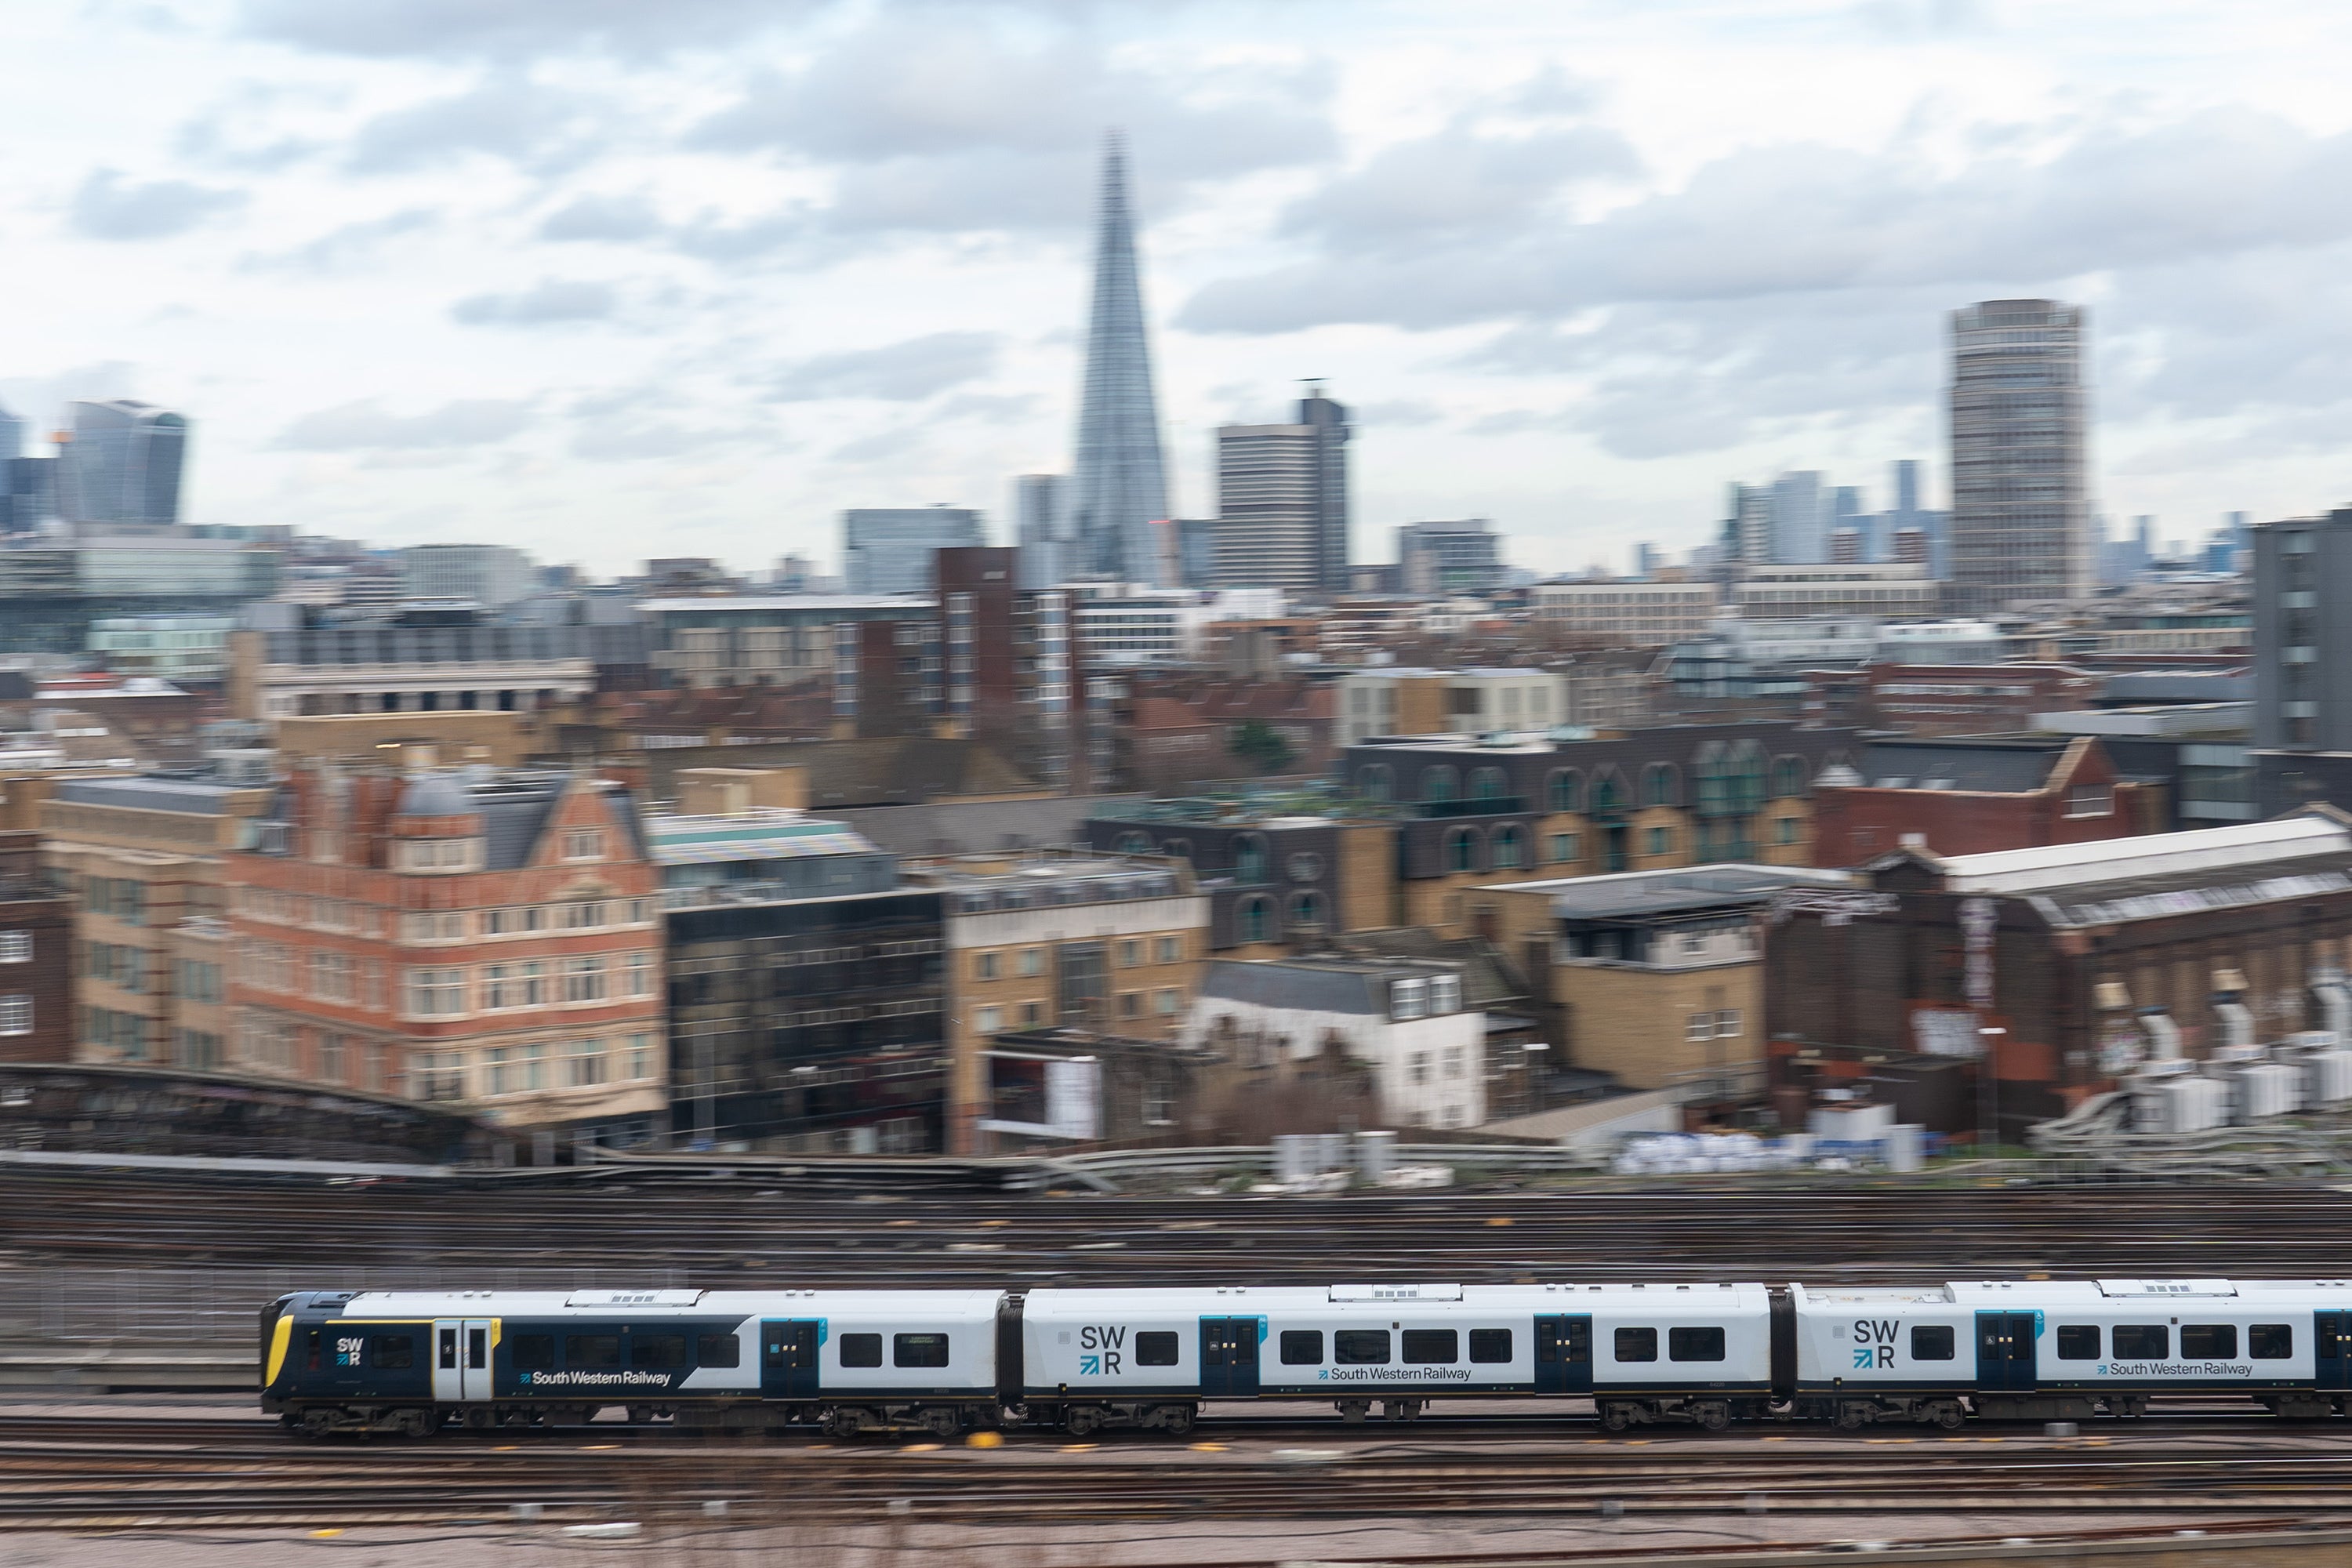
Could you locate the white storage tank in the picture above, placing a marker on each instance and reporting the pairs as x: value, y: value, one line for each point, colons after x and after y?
x: 2325, y: 1064
x: 2193, y: 1102
x: 2268, y: 1088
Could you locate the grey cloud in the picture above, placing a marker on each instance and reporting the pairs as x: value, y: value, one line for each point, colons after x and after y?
x: 988, y: 407
x: 900, y: 373
x: 503, y: 118
x: 1787, y: 220
x: 1416, y: 193
x: 366, y: 425
x: 42, y: 398
x: 596, y: 218
x: 1518, y: 422
x: 1401, y: 412
x: 550, y: 301
x: 891, y: 446
x: 108, y: 206
x: 348, y: 246
x: 514, y: 28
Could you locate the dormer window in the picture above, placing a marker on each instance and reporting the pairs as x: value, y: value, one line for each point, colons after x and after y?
x: 440, y: 854
x: 1407, y: 999
x: 1444, y: 993
x: 583, y: 843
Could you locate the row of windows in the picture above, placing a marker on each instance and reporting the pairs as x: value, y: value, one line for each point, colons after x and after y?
x: 1733, y: 780
x: 921, y: 1350
x: 1031, y: 961
x: 1166, y: 1002
x: 530, y: 1069
x: 1254, y: 916
x: 15, y: 947
x: 440, y: 993
x: 442, y: 925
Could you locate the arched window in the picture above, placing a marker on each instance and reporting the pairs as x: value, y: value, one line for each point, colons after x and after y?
x: 1373, y: 779
x: 1180, y: 849
x: 1462, y: 849
x: 1608, y: 793
x: 1658, y: 784
x: 1254, y: 919
x: 1249, y: 857
x: 1565, y: 790
x: 1747, y: 781
x: 1489, y: 784
x: 1438, y: 782
x: 1134, y: 844
x: 1789, y: 776
x: 1508, y: 849
x: 1305, y: 911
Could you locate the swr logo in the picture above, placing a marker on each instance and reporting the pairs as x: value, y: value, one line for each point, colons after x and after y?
x: 1108, y: 1345
x: 1874, y: 1343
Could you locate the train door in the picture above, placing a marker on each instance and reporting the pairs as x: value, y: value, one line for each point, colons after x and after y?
x: 788, y: 1368
x: 2331, y: 1351
x: 1229, y: 1358
x: 2004, y: 1352
x: 461, y: 1359
x: 1564, y: 1354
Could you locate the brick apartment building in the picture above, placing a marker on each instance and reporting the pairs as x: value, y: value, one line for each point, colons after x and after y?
x: 36, y: 941
x: 1949, y: 699
x: 1975, y: 794
x: 491, y: 938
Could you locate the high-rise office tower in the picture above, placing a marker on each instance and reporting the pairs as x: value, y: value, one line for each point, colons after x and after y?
x: 1282, y: 501
x: 11, y: 436
x: 889, y: 550
x: 1748, y: 524
x: 123, y: 465
x: 1798, y: 534
x: 1464, y: 555
x: 1041, y: 515
x: 2021, y: 523
x: 1118, y: 488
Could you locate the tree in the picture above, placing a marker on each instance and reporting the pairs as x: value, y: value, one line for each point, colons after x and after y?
x: 1261, y: 745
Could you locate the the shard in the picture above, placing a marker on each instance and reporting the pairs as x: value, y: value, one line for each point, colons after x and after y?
x: 1118, y: 488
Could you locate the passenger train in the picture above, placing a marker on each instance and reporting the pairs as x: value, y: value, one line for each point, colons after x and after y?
x: 1082, y: 1361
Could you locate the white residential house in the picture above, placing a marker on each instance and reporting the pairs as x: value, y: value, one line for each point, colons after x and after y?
x: 1404, y: 1019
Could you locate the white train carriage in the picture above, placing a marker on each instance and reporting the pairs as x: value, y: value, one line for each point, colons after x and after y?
x: 1093, y: 1359
x: 2045, y: 1349
x: 415, y: 1361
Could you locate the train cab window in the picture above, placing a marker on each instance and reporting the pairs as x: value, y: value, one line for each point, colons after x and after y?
x: 1931, y: 1341
x: 718, y: 1350
x: 2219, y: 1341
x: 447, y: 1357
x: 861, y: 1349
x: 919, y: 1350
x: 659, y: 1352
x: 592, y: 1349
x: 1490, y: 1345
x: 1637, y: 1344
x: 1431, y: 1347
x: 478, y: 1348
x: 1157, y: 1348
x: 2271, y: 1342
x: 310, y: 1349
x: 2078, y: 1341
x: 1695, y: 1344
x: 2142, y: 1341
x: 392, y: 1350
x: 531, y: 1352
x: 1361, y: 1347
x: 1302, y: 1347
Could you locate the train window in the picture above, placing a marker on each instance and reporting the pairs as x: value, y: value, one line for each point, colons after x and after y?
x: 392, y: 1350
x: 657, y: 1351
x: 592, y: 1349
x: 310, y: 1350
x: 1637, y: 1344
x: 1695, y: 1344
x: 1361, y: 1347
x: 448, y: 1356
x: 1302, y: 1347
x: 1244, y: 1344
x: 478, y: 1348
x: 2078, y: 1341
x: 718, y: 1350
x: 1490, y: 1345
x: 1432, y: 1347
x: 2219, y: 1341
x: 1155, y: 1349
x: 1931, y: 1341
x: 2142, y: 1341
x: 919, y: 1350
x: 532, y: 1352
x: 861, y: 1349
x: 2271, y: 1342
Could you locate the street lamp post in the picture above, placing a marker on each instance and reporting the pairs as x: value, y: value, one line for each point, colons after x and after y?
x: 1988, y: 1089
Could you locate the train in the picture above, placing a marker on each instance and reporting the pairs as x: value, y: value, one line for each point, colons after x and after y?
x: 850, y: 1362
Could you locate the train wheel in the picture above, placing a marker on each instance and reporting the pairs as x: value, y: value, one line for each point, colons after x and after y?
x: 1353, y: 1409
x: 943, y: 1423
x: 1948, y: 1414
x: 1713, y: 1415
x: 1083, y: 1421
x: 1176, y: 1420
x: 1615, y: 1415
x: 1853, y: 1417
x: 317, y: 1423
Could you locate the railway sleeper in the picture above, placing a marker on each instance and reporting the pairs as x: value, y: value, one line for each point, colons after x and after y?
x: 1172, y: 1417
x: 1711, y: 1412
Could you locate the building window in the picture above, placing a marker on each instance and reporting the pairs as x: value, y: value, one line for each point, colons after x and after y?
x: 643, y: 1063
x: 1167, y: 949
x: 1489, y: 784
x: 1658, y: 785
x: 2091, y: 800
x: 583, y: 978
x: 641, y: 966
x: 1462, y: 849
x: 1249, y: 859
x: 1699, y: 1027
x: 988, y: 1020
x: 435, y: 993
x: 1159, y: 1110
x: 1130, y: 1003
x: 439, y: 1075
x: 1438, y: 782
x: 1307, y: 912
x: 1253, y: 920
x: 1789, y: 776
x: 1130, y: 952
x: 332, y: 1049
x: 1134, y: 844
x: 586, y: 915
x: 1563, y: 848
x: 583, y: 1063
x: 583, y: 843
x: 1032, y: 1014
x: 1163, y: 1002
x: 1418, y: 1069
x: 1372, y: 780
x: 983, y: 966
x: 1661, y: 840
x: 1407, y: 999
x: 1727, y: 1024
x: 1453, y: 1061
x: 500, y: 1059
x: 1563, y: 790
x: 15, y: 947
x: 1506, y: 848
x: 1444, y: 993
x: 16, y: 1013
x: 334, y: 976
x: 1784, y: 830
x: 1032, y: 961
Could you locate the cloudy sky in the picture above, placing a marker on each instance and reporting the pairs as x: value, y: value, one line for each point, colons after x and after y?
x: 613, y: 277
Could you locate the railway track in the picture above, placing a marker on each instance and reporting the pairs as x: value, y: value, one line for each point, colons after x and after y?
x: 728, y: 1232
x: 158, y: 1478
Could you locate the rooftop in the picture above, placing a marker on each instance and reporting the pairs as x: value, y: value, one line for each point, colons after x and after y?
x: 1980, y: 764
x: 812, y: 602
x: 1330, y: 984
x: 1732, y: 885
x: 206, y: 797
x: 767, y: 834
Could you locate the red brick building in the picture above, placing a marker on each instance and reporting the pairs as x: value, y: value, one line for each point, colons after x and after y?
x: 488, y: 938
x: 1173, y: 732
x: 1947, y: 699
x: 36, y: 957
x: 1975, y: 794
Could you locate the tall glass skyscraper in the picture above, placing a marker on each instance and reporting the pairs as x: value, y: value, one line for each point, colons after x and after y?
x: 1118, y: 488
x: 122, y: 466
x: 2021, y: 524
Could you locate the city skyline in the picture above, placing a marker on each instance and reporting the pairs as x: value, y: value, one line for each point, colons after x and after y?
x: 414, y: 288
